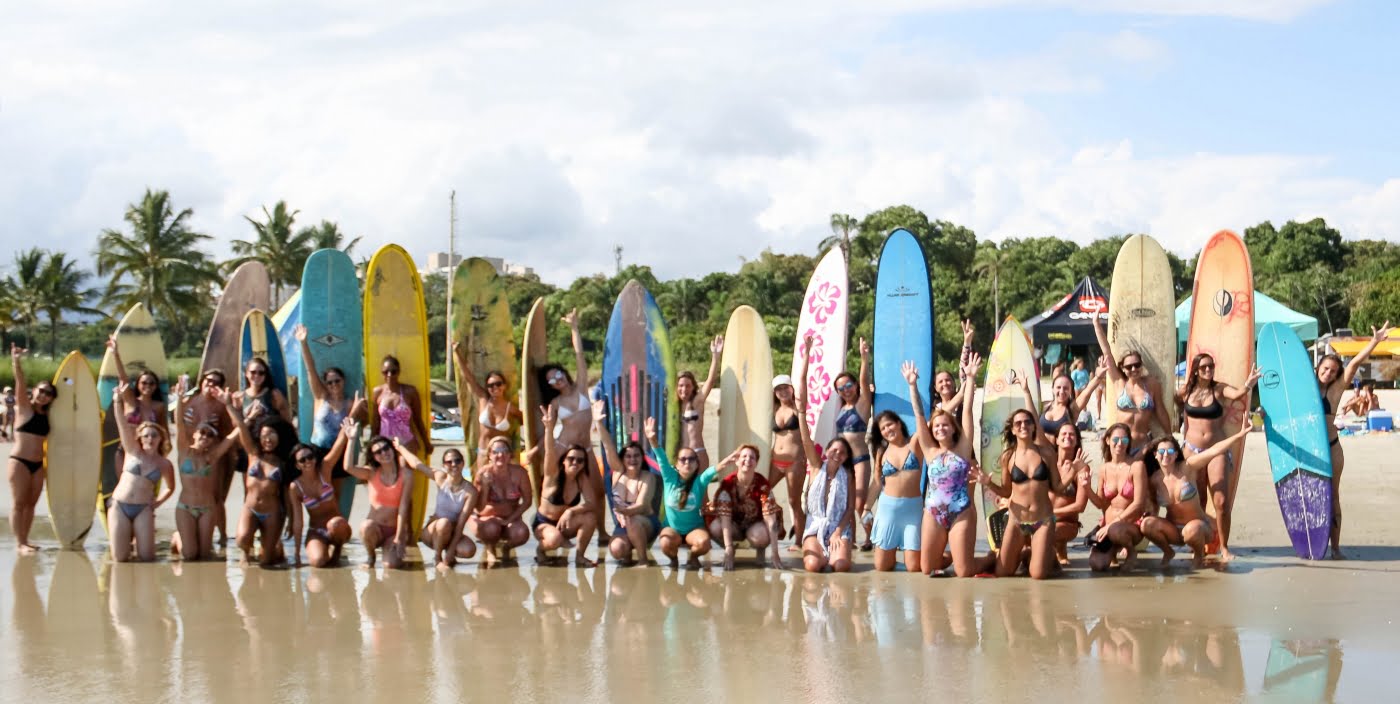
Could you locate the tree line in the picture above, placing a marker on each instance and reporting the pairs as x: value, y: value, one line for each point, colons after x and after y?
x: 157, y: 259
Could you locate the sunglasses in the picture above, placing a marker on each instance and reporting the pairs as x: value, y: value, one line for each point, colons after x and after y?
x: 556, y: 377
x: 1120, y: 441
x: 257, y: 372
x: 452, y: 462
x: 389, y: 371
x: 46, y: 391
x: 1131, y: 367
x: 495, y: 384
x: 382, y: 449
x: 1167, y: 451
x: 688, y: 459
x: 334, y: 382
x: 1022, y: 423
x: 306, y: 458
x: 845, y: 386
x: 574, y: 459
x: 1204, y: 367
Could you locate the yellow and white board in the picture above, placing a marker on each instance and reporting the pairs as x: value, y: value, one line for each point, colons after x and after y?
x: 74, y: 451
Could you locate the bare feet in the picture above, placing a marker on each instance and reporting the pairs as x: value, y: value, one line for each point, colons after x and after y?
x: 795, y: 549
x: 729, y: 560
x: 676, y: 561
x: 1129, y: 563
x: 581, y: 561
x: 1337, y: 554
x: 442, y: 566
x: 777, y: 562
x: 1167, y: 554
x: 693, y: 563
x: 1225, y: 555
x: 28, y: 549
x: 1198, y: 559
x: 489, y: 559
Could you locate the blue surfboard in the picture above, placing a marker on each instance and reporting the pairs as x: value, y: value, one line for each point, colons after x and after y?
x: 1296, y: 431
x: 258, y: 332
x: 638, y: 381
x: 903, y: 326
x: 286, y: 320
x: 332, y: 313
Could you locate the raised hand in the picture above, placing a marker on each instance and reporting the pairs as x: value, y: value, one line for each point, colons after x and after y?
x: 112, y: 342
x: 16, y: 352
x: 807, y: 347
x: 547, y: 415
x: 717, y: 345
x: 649, y: 429
x: 967, y: 331
x: 1254, y: 375
x: 864, y: 349
x: 571, y: 319
x: 1382, y: 332
x: 911, y: 372
x: 974, y: 362
x: 299, y: 332
x: 600, y: 411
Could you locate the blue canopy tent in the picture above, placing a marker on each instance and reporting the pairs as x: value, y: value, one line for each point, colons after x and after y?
x: 1266, y: 310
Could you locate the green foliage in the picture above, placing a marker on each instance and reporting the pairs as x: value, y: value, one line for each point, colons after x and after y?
x: 282, y: 252
x: 435, y: 292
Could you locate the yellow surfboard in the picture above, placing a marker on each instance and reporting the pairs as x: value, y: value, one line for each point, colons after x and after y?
x: 1142, y: 314
x: 397, y: 324
x: 141, y: 349
x: 74, y: 451
x: 534, y: 353
x: 746, y: 387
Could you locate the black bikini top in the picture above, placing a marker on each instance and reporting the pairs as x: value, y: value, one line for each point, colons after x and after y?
x: 1042, y: 474
x: 1211, y: 412
x: 791, y: 424
x: 38, y: 424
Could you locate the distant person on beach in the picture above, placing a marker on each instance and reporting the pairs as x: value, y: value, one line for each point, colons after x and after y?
x: 1332, y: 380
x: 1140, y: 401
x: 1364, y: 401
x: 27, y: 466
x: 692, y: 403
x: 7, y: 423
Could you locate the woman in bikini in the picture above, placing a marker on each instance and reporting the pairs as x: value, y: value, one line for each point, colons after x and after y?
x: 200, y: 453
x: 445, y: 531
x: 829, y: 536
x: 852, y: 422
x: 1064, y: 405
x: 259, y: 397
x: 1332, y: 380
x: 1202, y: 402
x: 945, y: 444
x: 496, y: 416
x: 144, y: 402
x: 1175, y: 485
x: 692, y: 402
x: 566, y: 510
x: 1028, y: 481
x: 263, y: 482
x: 207, y: 407
x: 744, y: 509
x: 390, y: 483
x: 685, y: 486
x: 788, y: 459
x: 1125, y: 498
x: 1137, y: 393
x: 567, y: 397
x: 899, y: 521
x: 634, y: 496
x: 27, y: 469
x: 134, y: 500
x: 506, y: 493
x: 326, y: 530
x: 1074, y: 478
x: 948, y: 394
x: 329, y: 408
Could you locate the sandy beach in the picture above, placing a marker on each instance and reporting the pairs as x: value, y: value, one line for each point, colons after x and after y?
x: 1269, y: 626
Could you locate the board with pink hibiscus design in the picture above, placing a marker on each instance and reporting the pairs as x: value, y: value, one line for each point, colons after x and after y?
x: 823, y: 318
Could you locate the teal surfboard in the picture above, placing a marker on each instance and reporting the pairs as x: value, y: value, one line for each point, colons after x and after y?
x: 903, y: 327
x: 1296, y: 432
x: 332, y: 314
x: 259, y: 339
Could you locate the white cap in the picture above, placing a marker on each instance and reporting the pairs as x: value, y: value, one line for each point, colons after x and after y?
x: 782, y: 380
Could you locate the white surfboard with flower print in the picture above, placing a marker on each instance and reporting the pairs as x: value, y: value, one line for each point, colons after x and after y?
x: 823, y: 317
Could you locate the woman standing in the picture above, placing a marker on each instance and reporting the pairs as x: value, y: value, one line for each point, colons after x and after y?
x: 788, y: 459
x: 950, y: 516
x: 566, y: 510
x: 145, y: 402
x: 1175, y: 484
x: 446, y: 529
x: 1028, y: 481
x: 27, y: 459
x: 852, y: 422
x: 329, y: 408
x: 1074, y: 478
x: 567, y: 399
x: 496, y: 416
x: 633, y: 494
x: 685, y: 487
x: 1332, y: 380
x: 829, y: 535
x: 326, y: 530
x: 263, y: 482
x: 259, y: 398
x: 1138, y: 393
x: 390, y: 483
x: 207, y: 407
x: 134, y: 500
x: 1125, y: 497
x: 1202, y: 402
x: 200, y: 452
x: 398, y: 407
x: 506, y: 493
x: 692, y: 403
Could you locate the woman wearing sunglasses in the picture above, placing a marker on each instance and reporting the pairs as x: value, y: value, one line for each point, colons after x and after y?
x: 1138, y: 393
x: 27, y: 469
x: 207, y: 407
x: 329, y: 408
x: 326, y: 530
x: 496, y: 416
x: 390, y: 484
x: 259, y: 398
x: 200, y: 452
x: 398, y: 407
x: 567, y: 398
x: 134, y: 500
x: 1029, y: 481
x: 446, y: 529
x: 1203, y: 403
x: 144, y: 401
x: 506, y: 493
x: 852, y: 422
x: 566, y: 511
x: 1175, y: 485
x: 1125, y: 497
x: 684, y: 487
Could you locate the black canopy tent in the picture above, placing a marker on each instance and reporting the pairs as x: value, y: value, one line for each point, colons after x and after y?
x: 1068, y: 322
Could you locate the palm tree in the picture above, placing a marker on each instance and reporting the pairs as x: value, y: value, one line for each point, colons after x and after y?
x: 989, y: 261
x: 842, y: 225
x: 9, y: 310
x: 282, y: 252
x: 327, y: 235
x: 61, y: 289
x: 683, y: 300
x: 159, y: 264
x: 27, y: 283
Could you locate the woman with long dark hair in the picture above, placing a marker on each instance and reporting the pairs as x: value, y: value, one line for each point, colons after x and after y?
x: 28, y: 458
x: 1174, y: 479
x: 390, y: 523
x: 829, y: 536
x: 566, y: 510
x: 691, y: 398
x: 1029, y: 482
x: 684, y: 487
x: 1203, y: 402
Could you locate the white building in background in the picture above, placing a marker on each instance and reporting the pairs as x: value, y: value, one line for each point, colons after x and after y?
x: 442, y: 262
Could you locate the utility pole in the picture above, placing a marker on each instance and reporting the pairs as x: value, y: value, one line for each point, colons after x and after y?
x: 617, y: 257
x: 451, y: 269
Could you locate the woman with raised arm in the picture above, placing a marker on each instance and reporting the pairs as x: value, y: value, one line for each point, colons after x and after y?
x: 633, y: 493
x: 1028, y: 481
x: 326, y: 530
x: 1065, y: 402
x: 566, y: 510
x: 899, y: 521
x: 1332, y: 380
x: 1138, y: 393
x: 134, y: 500
x: 144, y: 401
x: 506, y: 493
x: 1202, y: 402
x: 329, y: 408
x: 829, y: 537
x: 390, y: 483
x: 27, y: 468
x: 263, y: 509
x: 1175, y: 485
x: 567, y: 398
x: 852, y: 422
x: 1074, y: 480
x: 446, y: 529
x: 692, y: 402
x: 946, y: 443
x: 496, y: 416
x: 948, y: 394
x: 788, y: 461
x: 200, y: 453
x: 685, y: 486
x: 207, y: 407
x: 1125, y: 497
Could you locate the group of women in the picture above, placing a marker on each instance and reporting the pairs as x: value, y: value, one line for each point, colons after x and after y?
x: 910, y: 490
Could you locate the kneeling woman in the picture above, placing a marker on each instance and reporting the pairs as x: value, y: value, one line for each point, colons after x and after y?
x: 829, y: 535
x: 899, y: 515
x: 506, y: 492
x: 949, y: 516
x: 685, y: 489
x: 263, y: 482
x: 200, y: 453
x: 634, y: 496
x: 445, y: 531
x: 1125, y: 498
x: 566, y: 509
x: 134, y: 501
x: 326, y: 529
x: 390, y: 482
x: 1028, y: 480
x: 1175, y: 485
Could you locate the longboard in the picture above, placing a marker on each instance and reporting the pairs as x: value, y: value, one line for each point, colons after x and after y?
x: 746, y: 387
x: 1010, y: 354
x: 481, y: 324
x: 903, y: 329
x: 259, y: 340
x: 823, y: 317
x: 74, y: 451
x: 534, y: 353
x: 139, y: 342
x: 330, y: 309
x: 1142, y: 315
x: 247, y: 289
x: 1296, y: 432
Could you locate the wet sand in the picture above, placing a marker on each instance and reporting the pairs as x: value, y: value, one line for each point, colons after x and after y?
x: 1271, y: 626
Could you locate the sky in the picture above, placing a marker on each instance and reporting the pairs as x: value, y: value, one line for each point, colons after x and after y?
x: 695, y: 135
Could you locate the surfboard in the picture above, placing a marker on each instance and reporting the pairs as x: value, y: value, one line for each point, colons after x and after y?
x: 638, y: 379
x: 1296, y: 432
x: 138, y: 341
x: 823, y: 317
x: 1142, y: 314
x: 259, y: 339
x: 285, y: 322
x: 330, y: 310
x: 534, y: 353
x: 903, y: 328
x: 247, y: 289
x: 746, y: 387
x: 74, y: 451
x: 481, y: 324
x: 395, y: 323
x: 1222, y: 325
x: 1010, y: 353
